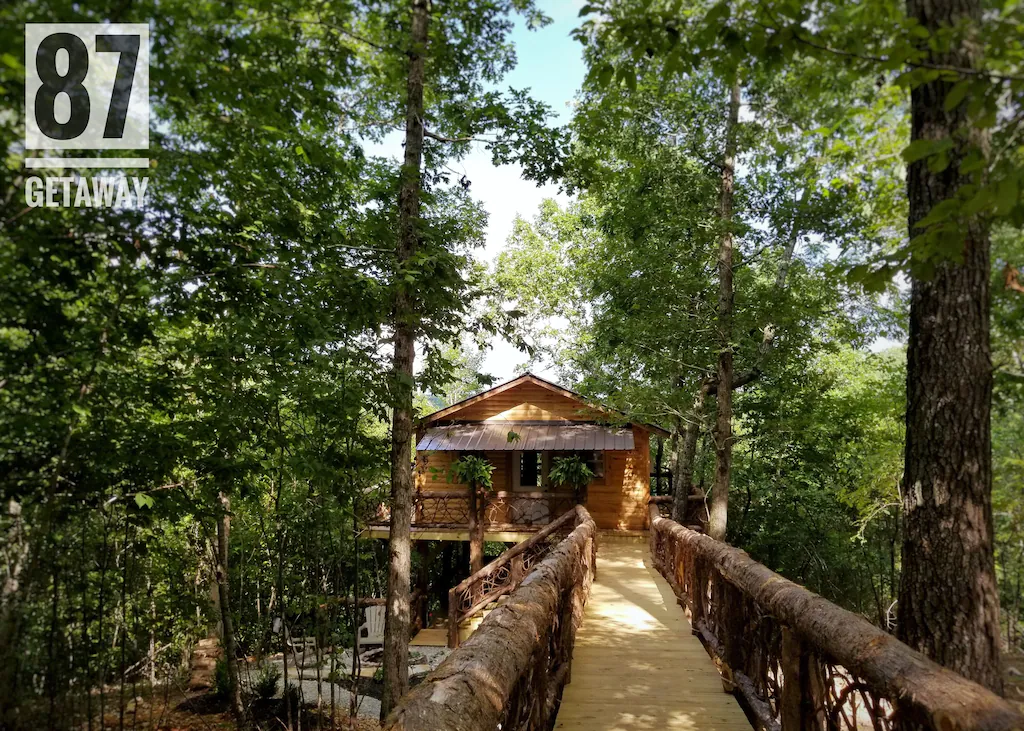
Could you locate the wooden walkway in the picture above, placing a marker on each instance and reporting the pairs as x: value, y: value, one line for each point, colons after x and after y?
x: 636, y: 666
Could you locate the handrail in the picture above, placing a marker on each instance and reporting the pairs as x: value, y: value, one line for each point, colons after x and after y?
x: 511, y: 672
x: 450, y: 508
x: 799, y: 661
x: 510, y: 568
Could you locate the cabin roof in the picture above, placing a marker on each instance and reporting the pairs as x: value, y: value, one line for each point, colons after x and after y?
x: 450, y: 413
x: 497, y: 436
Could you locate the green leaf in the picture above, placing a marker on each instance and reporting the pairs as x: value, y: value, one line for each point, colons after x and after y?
x: 920, y: 149
x: 956, y: 95
x: 144, y: 501
x: 1007, y: 195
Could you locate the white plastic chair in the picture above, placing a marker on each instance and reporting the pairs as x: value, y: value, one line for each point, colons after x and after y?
x: 371, y: 632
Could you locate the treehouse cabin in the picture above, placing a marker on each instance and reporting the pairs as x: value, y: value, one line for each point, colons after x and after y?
x: 522, y: 428
x: 528, y: 430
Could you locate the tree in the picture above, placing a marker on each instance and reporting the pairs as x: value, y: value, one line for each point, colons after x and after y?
x: 719, y: 512
x: 396, y: 630
x: 947, y: 488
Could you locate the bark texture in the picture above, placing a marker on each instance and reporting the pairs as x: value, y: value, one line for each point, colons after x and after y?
x: 227, y: 634
x: 719, y: 511
x: 948, y: 599
x: 396, y: 630
x: 686, y: 453
x: 476, y: 531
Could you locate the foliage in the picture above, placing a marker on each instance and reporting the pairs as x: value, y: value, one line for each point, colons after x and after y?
x: 267, y: 678
x: 473, y: 470
x: 221, y: 681
x: 571, y: 471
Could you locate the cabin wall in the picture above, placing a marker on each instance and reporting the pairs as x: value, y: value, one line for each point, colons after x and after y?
x: 433, y: 470
x: 617, y: 501
x: 526, y: 402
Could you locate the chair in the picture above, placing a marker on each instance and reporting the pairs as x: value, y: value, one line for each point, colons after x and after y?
x: 371, y: 632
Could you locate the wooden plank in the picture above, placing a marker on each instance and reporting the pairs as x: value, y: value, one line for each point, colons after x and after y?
x: 636, y: 665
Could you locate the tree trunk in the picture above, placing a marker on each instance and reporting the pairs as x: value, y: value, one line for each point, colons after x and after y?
x: 948, y: 601
x: 396, y: 631
x: 227, y: 629
x: 476, y: 532
x: 723, y: 430
x: 687, y: 453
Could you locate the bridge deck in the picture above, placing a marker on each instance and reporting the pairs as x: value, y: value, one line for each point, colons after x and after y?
x: 635, y: 665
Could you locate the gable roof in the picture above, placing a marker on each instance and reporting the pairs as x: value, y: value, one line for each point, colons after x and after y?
x: 448, y: 412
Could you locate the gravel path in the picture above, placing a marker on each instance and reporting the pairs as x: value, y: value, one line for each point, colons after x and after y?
x: 369, y: 707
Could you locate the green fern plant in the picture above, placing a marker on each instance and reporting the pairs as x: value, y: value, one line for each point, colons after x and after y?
x: 571, y: 472
x: 474, y: 471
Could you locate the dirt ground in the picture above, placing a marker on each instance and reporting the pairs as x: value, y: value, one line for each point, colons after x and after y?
x: 194, y: 710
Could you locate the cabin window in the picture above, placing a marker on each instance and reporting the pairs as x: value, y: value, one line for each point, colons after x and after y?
x: 530, y: 467
x: 595, y: 461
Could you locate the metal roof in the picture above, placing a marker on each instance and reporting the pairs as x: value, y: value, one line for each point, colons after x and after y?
x: 493, y: 436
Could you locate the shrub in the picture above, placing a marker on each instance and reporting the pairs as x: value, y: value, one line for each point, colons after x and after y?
x: 221, y: 679
x: 265, y: 685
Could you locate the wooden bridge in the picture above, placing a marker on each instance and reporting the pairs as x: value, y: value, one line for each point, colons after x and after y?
x: 636, y: 665
x: 678, y: 631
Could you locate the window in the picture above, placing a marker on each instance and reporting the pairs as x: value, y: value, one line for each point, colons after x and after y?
x: 529, y: 469
x: 595, y: 461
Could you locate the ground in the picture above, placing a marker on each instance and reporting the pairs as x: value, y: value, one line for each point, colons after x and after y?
x: 1013, y: 663
x: 193, y: 710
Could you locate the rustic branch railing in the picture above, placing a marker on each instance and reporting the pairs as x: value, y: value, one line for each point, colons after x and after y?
x: 503, y: 575
x: 797, y: 661
x: 502, y: 509
x: 511, y: 672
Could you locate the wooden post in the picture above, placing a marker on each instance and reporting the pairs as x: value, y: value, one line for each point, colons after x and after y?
x: 517, y: 570
x: 657, y: 468
x: 423, y: 581
x: 476, y: 532
x: 801, y: 706
x: 453, y: 619
x: 731, y: 629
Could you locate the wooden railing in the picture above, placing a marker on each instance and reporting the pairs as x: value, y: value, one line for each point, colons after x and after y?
x: 503, y: 575
x: 450, y: 509
x: 511, y: 672
x: 797, y: 661
x: 501, y: 509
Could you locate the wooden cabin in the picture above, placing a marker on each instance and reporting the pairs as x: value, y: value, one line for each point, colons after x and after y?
x: 521, y: 427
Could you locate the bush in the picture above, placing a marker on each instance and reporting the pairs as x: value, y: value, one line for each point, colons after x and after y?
x: 221, y: 679
x: 265, y: 685
x: 292, y: 696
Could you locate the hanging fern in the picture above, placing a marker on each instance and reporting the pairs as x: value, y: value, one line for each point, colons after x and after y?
x: 571, y: 472
x: 473, y: 470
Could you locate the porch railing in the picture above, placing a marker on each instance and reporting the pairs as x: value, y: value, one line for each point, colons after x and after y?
x: 504, y: 575
x: 797, y: 661
x: 501, y: 509
x: 511, y: 672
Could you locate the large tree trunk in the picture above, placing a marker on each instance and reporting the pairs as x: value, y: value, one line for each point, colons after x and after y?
x: 948, y: 601
x: 686, y: 454
x: 723, y: 429
x: 227, y: 627
x: 396, y: 631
